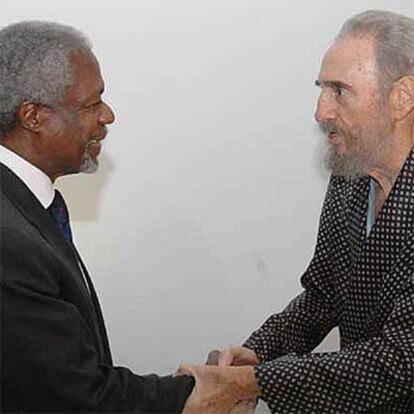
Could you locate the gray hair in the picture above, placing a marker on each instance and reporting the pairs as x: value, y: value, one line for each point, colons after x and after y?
x: 35, y: 65
x: 393, y: 35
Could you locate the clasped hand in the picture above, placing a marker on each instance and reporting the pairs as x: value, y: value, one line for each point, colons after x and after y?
x: 227, y: 384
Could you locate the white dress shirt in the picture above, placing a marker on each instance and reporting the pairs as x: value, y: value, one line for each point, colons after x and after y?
x: 36, y: 180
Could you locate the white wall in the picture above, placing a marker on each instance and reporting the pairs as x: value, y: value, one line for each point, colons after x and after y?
x: 204, y: 212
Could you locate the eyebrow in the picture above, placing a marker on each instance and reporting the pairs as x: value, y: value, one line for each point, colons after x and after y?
x: 332, y: 84
x: 99, y: 94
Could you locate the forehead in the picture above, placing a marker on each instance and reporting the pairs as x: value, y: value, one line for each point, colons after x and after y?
x: 87, y: 79
x: 351, y: 60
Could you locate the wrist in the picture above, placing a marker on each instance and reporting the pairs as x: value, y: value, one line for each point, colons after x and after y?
x: 254, y: 356
x: 245, y: 380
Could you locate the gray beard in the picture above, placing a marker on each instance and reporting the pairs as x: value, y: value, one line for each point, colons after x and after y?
x: 89, y: 165
x: 352, y: 167
x: 364, y: 150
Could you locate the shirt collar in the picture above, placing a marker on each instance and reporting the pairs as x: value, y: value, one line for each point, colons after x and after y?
x: 36, y: 180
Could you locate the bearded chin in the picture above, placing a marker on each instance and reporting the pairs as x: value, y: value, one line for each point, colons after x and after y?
x: 88, y: 165
x: 364, y: 150
x: 350, y: 166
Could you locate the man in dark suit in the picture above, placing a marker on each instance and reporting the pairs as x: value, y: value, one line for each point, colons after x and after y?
x: 55, y: 355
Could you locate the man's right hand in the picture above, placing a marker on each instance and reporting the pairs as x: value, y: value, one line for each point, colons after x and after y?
x: 233, y: 355
x: 236, y: 355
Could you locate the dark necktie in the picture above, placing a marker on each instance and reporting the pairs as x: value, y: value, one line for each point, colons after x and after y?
x: 60, y: 216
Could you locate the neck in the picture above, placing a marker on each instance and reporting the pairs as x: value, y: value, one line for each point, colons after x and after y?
x: 386, y: 171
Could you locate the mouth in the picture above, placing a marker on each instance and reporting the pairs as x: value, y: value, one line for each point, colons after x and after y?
x: 93, y: 142
x: 93, y: 147
x: 334, y: 137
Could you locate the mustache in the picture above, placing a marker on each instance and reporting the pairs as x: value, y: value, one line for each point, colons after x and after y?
x: 330, y: 126
x: 98, y: 137
x: 102, y: 135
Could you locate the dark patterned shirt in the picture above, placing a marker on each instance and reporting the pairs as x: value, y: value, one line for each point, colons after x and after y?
x: 365, y: 287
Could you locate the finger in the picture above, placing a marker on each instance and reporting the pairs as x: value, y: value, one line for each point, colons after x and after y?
x: 226, y: 357
x: 213, y: 357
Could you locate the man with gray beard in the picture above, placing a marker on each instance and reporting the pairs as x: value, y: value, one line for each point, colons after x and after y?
x: 361, y: 277
x: 55, y: 354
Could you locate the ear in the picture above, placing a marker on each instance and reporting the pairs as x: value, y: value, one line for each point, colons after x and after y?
x: 401, y: 97
x: 31, y: 116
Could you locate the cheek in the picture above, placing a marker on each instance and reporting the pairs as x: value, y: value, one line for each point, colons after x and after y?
x: 78, y: 136
x: 56, y: 127
x: 86, y: 127
x: 369, y: 110
x: 74, y: 141
x: 354, y: 122
x: 69, y: 129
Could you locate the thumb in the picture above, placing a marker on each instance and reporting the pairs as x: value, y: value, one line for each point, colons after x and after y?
x: 213, y: 357
x: 183, y: 370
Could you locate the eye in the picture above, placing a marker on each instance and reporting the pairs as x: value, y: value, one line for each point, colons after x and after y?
x: 94, y: 105
x: 339, y: 91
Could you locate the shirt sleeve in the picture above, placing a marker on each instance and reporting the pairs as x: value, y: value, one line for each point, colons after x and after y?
x: 49, y: 357
x: 299, y: 328
x: 309, y: 317
x: 369, y: 374
x: 362, y: 376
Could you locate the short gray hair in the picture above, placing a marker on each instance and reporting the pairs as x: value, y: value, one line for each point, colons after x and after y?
x: 393, y: 35
x: 35, y: 65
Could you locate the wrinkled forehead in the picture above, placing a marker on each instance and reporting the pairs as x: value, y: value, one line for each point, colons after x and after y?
x: 350, y: 60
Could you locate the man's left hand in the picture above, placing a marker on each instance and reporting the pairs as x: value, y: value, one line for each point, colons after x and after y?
x: 219, y: 390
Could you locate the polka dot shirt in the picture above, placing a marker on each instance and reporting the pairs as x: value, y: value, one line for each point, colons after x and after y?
x: 365, y: 287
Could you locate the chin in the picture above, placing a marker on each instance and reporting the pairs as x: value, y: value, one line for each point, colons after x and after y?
x: 89, y: 165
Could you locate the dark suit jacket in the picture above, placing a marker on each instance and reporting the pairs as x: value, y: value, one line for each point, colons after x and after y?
x: 55, y: 355
x: 365, y: 286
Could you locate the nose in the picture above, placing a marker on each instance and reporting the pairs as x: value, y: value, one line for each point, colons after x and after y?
x: 106, y: 116
x: 325, y: 108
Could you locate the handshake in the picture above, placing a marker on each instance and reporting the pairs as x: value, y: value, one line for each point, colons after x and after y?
x: 226, y: 384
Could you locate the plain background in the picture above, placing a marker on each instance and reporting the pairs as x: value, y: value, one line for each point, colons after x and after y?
x: 203, y: 214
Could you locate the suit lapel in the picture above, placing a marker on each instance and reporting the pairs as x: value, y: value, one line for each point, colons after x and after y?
x: 104, y: 343
x: 29, y: 206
